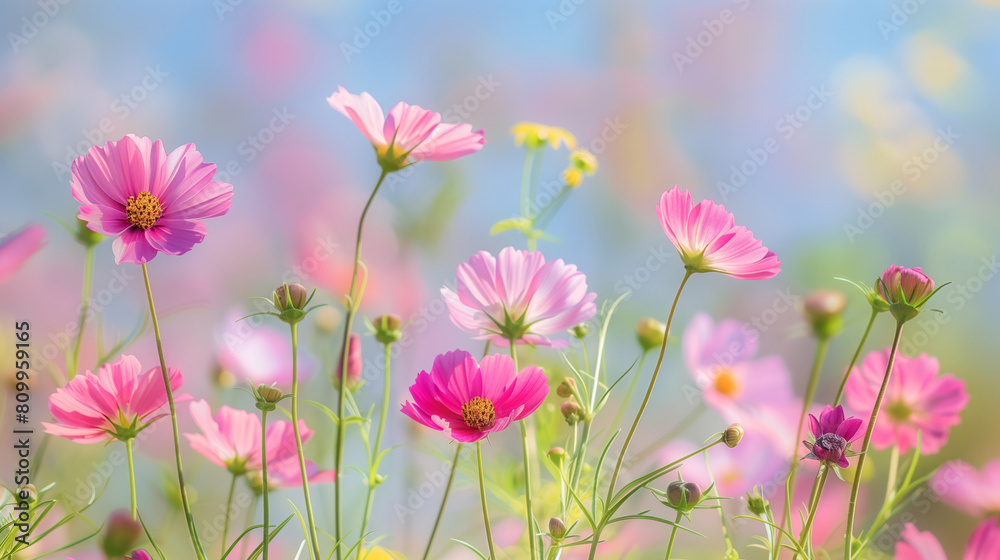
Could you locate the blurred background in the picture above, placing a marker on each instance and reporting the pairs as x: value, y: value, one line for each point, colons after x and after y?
x: 847, y: 136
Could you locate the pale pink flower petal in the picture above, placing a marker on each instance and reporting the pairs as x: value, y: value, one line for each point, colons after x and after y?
x: 961, y: 486
x: 18, y: 247
x: 918, y: 545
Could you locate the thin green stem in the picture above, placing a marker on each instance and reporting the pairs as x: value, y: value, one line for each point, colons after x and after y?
x: 134, y: 507
x: 854, y: 359
x: 263, y: 462
x: 529, y: 160
x: 373, y: 475
x: 817, y: 367
x: 313, y: 536
x: 444, y: 500
x: 579, y: 456
x: 353, y: 304
x: 649, y: 391
x: 251, y: 513
x: 817, y: 492
x: 482, y: 497
x: 229, y: 506
x: 88, y: 280
x: 890, y: 487
x: 856, y: 488
x: 529, y: 514
x: 182, y: 488
x: 673, y: 533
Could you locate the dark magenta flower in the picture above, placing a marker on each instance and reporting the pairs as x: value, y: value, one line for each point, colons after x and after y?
x: 834, y: 435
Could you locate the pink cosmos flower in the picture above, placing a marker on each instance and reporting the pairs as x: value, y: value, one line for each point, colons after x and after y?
x: 904, y: 285
x: 977, y: 493
x: 518, y: 295
x: 468, y: 401
x: 153, y: 202
x: 232, y: 438
x: 720, y: 359
x: 918, y: 545
x: 708, y: 239
x: 985, y: 541
x: 117, y: 403
x: 409, y: 134
x: 18, y: 247
x: 834, y: 435
x: 916, y: 400
x: 259, y: 353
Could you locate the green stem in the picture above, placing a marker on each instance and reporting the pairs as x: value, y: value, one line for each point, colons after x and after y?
x: 229, y: 506
x: 313, y: 536
x: 854, y: 359
x: 673, y: 533
x: 372, y: 476
x: 852, y: 507
x: 649, y: 391
x: 529, y: 159
x: 482, y: 497
x: 817, y: 367
x: 182, y: 488
x: 579, y: 455
x: 251, y: 513
x: 134, y: 508
x: 444, y: 500
x: 352, y: 311
x: 263, y: 463
x: 890, y: 488
x: 88, y: 279
x: 529, y: 514
x: 817, y: 492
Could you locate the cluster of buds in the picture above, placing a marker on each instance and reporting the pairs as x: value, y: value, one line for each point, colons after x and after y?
x: 571, y: 409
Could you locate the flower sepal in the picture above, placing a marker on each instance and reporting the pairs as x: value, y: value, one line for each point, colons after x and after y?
x: 906, y: 290
x: 876, y: 302
x: 289, y: 302
x: 684, y: 497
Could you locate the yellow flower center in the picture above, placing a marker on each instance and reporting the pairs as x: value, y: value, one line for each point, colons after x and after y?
x: 727, y: 383
x: 899, y: 411
x: 478, y: 413
x: 143, y: 210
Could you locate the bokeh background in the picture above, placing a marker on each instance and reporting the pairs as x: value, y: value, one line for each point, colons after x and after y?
x: 847, y: 135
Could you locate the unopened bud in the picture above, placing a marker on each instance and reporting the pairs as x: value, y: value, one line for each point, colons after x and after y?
x: 584, y: 161
x: 567, y: 388
x: 557, y: 529
x: 733, y: 435
x: 289, y: 296
x: 580, y: 331
x: 557, y: 455
x: 650, y: 333
x: 824, y: 309
x: 572, y: 177
x: 28, y: 493
x: 572, y: 412
x: 121, y: 534
x: 387, y: 328
x: 268, y: 393
x: 683, y: 495
x: 756, y: 504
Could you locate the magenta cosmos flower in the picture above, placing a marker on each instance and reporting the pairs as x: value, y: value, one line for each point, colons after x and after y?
x: 409, y: 134
x: 153, y: 202
x: 834, y: 435
x: 916, y: 400
x: 117, y: 403
x: 720, y: 358
x: 977, y: 493
x: 708, y: 239
x: 519, y: 296
x: 18, y: 247
x: 469, y: 401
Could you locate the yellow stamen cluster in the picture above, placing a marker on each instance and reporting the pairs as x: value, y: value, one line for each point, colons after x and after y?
x: 143, y: 210
x: 478, y: 413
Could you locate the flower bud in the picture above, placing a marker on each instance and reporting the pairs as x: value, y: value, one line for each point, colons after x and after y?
x: 557, y: 529
x: 327, y: 319
x: 733, y: 435
x: 906, y: 290
x: 572, y: 412
x: 584, y: 161
x: 86, y: 236
x: 290, y: 296
x: 650, y: 333
x: 120, y: 535
x: 756, y: 504
x: 824, y: 309
x: 353, y: 364
x: 28, y: 493
x: 557, y: 455
x: 268, y: 393
x: 387, y: 328
x: 567, y: 388
x: 683, y: 495
x: 572, y: 177
x: 580, y: 331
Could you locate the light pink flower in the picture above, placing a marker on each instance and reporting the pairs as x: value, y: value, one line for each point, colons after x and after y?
x: 918, y: 545
x: 977, y: 493
x: 116, y: 403
x: 259, y: 353
x: 18, y: 247
x: 916, y: 400
x: 409, y: 134
x: 985, y: 541
x: 518, y: 295
x: 468, y: 401
x: 286, y: 474
x: 720, y: 359
x: 708, y: 239
x: 151, y: 201
x: 232, y: 438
